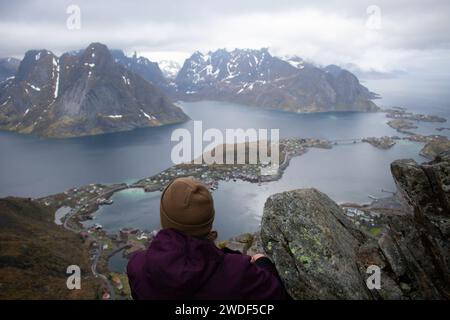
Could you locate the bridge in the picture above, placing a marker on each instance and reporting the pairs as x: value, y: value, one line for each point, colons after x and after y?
x: 346, y: 141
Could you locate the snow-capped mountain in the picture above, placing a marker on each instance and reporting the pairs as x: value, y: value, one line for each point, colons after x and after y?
x: 8, y: 68
x: 169, y: 68
x: 147, y: 69
x: 80, y: 94
x: 255, y: 77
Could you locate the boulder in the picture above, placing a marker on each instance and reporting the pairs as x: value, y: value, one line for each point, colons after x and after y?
x: 320, y: 254
x: 313, y: 246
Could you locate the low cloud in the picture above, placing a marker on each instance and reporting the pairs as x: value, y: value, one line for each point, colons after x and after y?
x: 412, y: 34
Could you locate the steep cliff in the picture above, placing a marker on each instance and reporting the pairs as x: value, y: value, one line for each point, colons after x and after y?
x: 321, y: 254
x: 81, y: 93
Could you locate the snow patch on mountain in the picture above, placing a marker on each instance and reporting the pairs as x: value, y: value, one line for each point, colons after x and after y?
x: 34, y: 87
x: 56, y: 69
x: 169, y: 68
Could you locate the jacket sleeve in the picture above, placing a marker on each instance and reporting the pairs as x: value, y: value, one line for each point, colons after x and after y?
x: 133, y: 265
x: 266, y: 264
x: 261, y: 281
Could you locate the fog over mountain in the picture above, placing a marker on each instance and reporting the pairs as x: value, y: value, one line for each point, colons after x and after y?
x: 405, y: 35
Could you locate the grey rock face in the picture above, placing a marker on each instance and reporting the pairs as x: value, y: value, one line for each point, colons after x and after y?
x: 307, y: 236
x: 147, y: 69
x: 255, y: 77
x: 321, y: 255
x: 8, y: 67
x: 81, y: 93
x: 417, y: 246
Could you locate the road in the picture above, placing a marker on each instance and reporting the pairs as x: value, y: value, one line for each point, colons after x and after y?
x: 99, y: 275
x: 99, y: 249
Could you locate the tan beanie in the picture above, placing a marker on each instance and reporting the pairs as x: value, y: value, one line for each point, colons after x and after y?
x: 187, y: 206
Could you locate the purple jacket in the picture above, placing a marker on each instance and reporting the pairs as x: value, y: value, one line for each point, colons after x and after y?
x: 177, y: 266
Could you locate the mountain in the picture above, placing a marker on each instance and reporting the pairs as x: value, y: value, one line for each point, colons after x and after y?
x: 169, y: 68
x: 80, y: 93
x: 8, y: 67
x: 255, y: 77
x: 147, y: 69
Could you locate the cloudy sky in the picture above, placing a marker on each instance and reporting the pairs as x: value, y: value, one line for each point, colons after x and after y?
x: 381, y: 36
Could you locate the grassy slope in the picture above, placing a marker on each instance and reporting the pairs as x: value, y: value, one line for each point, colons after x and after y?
x: 34, y: 254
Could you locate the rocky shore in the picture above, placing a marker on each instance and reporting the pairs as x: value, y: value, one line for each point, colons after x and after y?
x: 402, y: 113
x: 434, y: 147
x: 402, y: 125
x: 381, y: 143
x: 403, y: 120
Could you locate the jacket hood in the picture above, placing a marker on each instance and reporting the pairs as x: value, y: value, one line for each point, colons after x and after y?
x: 180, y: 264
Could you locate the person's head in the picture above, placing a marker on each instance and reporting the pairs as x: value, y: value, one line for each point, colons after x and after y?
x: 187, y: 206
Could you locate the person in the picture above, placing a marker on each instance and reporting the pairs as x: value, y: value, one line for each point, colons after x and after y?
x: 183, y: 262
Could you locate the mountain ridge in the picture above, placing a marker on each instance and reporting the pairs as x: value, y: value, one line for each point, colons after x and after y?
x: 88, y: 92
x: 255, y: 77
x: 80, y: 94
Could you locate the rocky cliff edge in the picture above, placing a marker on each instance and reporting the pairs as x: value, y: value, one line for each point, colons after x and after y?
x: 322, y: 254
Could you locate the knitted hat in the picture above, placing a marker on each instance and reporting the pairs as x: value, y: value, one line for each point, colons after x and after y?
x: 187, y: 206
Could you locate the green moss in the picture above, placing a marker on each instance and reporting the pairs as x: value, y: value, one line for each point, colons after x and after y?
x: 375, y: 231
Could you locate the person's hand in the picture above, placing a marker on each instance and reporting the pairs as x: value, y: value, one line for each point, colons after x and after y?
x: 256, y: 257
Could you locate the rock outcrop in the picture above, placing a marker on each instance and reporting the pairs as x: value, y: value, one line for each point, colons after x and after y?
x: 321, y: 254
x: 435, y: 146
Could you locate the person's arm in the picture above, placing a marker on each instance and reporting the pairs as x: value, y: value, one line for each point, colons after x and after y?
x: 261, y: 280
x: 230, y: 251
x: 267, y: 264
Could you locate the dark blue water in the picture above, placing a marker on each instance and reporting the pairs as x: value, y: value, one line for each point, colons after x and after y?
x: 30, y: 166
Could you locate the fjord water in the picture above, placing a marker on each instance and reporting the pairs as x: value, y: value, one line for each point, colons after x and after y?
x: 33, y: 167
x: 345, y: 173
